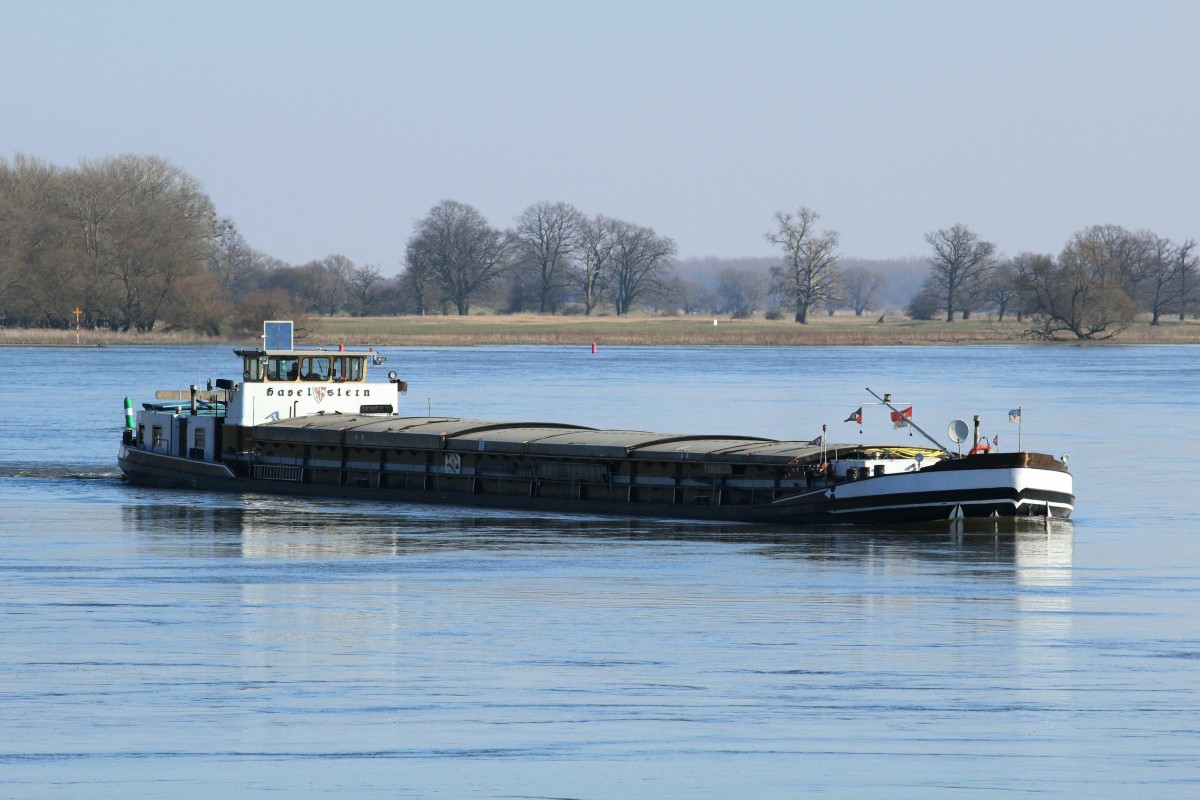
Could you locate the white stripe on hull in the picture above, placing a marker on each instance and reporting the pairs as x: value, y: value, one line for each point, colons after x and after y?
x: 1021, y: 479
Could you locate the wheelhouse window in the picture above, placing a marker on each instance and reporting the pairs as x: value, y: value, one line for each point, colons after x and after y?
x: 259, y: 367
x: 348, y: 368
x: 283, y: 368
x: 252, y: 371
x: 314, y: 368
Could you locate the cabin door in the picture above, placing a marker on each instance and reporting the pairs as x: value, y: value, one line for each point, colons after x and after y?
x: 181, y: 447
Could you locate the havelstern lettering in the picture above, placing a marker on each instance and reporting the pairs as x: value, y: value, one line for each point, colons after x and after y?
x: 320, y: 392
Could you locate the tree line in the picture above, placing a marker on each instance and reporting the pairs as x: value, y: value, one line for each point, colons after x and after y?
x: 123, y: 238
x: 1104, y: 278
x: 553, y: 255
x: 136, y: 244
x: 1097, y: 286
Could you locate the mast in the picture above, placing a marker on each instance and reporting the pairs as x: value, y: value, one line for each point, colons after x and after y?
x: 936, y: 443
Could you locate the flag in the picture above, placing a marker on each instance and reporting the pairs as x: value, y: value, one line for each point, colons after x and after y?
x: 817, y: 440
x: 1015, y: 415
x: 996, y: 440
x: 901, y: 418
x: 855, y: 416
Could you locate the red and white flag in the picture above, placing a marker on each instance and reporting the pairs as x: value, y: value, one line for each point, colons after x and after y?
x: 900, y: 418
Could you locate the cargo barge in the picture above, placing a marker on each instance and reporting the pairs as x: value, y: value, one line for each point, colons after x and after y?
x: 305, y: 421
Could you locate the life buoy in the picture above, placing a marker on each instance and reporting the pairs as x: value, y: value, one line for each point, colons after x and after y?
x: 982, y: 447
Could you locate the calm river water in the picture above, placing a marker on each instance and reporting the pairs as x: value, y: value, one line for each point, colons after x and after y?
x: 162, y: 644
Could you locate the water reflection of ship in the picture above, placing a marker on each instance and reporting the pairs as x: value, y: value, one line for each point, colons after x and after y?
x: 187, y: 530
x: 1045, y: 602
x: 269, y: 531
x: 1023, y: 547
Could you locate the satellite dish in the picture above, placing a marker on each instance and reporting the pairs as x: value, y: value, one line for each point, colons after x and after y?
x: 958, y: 431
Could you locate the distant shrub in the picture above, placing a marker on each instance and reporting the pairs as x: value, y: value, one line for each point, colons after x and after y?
x: 925, y: 305
x: 774, y: 314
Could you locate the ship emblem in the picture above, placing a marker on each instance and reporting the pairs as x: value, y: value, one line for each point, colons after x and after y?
x: 319, y: 392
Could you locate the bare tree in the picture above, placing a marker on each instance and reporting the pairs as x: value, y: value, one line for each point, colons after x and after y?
x: 741, y: 291
x: 390, y: 298
x: 464, y: 254
x: 207, y: 306
x: 38, y: 273
x: 10, y: 263
x: 340, y: 271
x: 835, y: 299
x: 1186, y: 273
x: 145, y: 225
x: 808, y: 275
x: 420, y: 269
x: 90, y: 201
x: 1002, y: 289
x: 545, y: 240
x: 232, y: 259
x: 1025, y: 302
x: 323, y: 285
x: 1082, y: 293
x: 861, y: 288
x: 640, y: 261
x: 274, y: 303
x: 959, y: 267
x: 692, y: 296
x: 1159, y: 287
x: 364, y: 287
x: 1128, y: 252
x: 596, y: 238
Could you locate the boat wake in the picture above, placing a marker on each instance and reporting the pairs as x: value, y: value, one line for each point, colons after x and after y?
x: 58, y: 472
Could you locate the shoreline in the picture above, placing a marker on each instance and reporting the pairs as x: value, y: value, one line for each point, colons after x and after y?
x: 532, y: 329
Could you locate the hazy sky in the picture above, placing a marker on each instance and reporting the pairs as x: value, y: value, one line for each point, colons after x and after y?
x: 330, y: 127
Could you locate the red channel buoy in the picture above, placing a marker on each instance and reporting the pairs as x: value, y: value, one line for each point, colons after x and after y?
x: 593, y: 348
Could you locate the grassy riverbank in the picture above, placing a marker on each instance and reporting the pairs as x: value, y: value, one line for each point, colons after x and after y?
x: 533, y: 329
x: 823, y: 331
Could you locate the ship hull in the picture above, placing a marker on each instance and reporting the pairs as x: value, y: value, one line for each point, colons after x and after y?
x: 979, y: 487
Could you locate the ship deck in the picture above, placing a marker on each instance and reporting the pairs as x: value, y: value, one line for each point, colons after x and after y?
x: 536, y: 439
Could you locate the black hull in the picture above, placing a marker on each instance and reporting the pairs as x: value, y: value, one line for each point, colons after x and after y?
x: 818, y: 507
